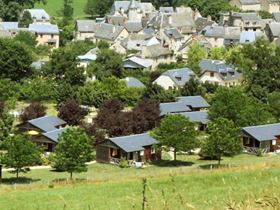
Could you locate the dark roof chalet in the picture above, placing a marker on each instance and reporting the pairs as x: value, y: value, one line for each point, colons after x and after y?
x: 134, y: 143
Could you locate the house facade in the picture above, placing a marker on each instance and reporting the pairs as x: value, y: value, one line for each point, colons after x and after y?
x: 46, y: 34
x: 44, y: 130
x: 219, y: 73
x: 247, y: 5
x: 138, y: 148
x: 266, y: 137
x: 174, y: 78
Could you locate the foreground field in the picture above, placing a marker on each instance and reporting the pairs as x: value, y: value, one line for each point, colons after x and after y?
x: 53, y: 6
x: 244, y: 185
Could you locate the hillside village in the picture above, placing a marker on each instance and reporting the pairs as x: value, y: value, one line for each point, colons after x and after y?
x: 145, y: 86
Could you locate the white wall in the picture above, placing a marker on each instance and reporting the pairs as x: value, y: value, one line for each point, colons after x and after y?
x: 165, y: 82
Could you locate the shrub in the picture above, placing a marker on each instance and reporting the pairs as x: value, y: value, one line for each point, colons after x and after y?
x: 123, y: 163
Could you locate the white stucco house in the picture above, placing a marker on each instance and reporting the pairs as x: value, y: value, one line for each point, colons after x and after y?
x: 174, y: 78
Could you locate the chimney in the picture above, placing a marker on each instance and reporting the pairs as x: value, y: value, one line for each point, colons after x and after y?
x: 170, y: 19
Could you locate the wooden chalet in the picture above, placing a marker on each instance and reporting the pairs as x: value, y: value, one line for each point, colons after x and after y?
x: 138, y: 148
x: 44, y: 130
x: 266, y: 137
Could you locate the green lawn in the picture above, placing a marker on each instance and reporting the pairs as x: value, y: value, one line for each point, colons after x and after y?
x: 245, y: 183
x: 53, y: 6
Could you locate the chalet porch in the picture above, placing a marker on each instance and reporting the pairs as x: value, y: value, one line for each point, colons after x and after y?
x: 252, y: 145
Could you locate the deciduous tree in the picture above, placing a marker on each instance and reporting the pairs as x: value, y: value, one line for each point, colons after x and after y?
x: 223, y: 139
x: 72, y: 112
x: 176, y: 131
x: 20, y: 153
x: 33, y: 111
x: 73, y: 150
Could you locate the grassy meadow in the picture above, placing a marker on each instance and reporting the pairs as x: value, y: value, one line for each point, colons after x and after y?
x: 53, y: 6
x: 249, y: 182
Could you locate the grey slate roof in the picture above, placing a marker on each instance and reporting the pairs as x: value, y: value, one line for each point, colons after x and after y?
x: 158, y: 50
x: 276, y: 16
x: 194, y: 101
x: 264, y: 132
x: 47, y: 123
x: 202, y: 22
x: 118, y: 5
x: 9, y: 25
x: 134, y: 26
x: 134, y: 143
x: 199, y: 116
x: 86, y: 26
x: 180, y: 76
x: 275, y: 29
x: 54, y: 135
x: 226, y: 72
x: 91, y: 55
x: 173, y: 33
x: 108, y: 31
x: 38, y: 14
x: 173, y: 107
x: 133, y: 82
x: 166, y: 9
x: 214, y: 31
x: 137, y: 62
x: 44, y: 28
x: 37, y: 64
x: 248, y: 2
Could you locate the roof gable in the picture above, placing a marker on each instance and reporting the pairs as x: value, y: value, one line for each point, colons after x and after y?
x: 47, y: 123
x: 263, y: 132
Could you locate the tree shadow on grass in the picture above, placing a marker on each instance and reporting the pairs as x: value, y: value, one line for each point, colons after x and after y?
x: 172, y: 163
x: 215, y: 166
x: 67, y: 180
x: 20, y: 180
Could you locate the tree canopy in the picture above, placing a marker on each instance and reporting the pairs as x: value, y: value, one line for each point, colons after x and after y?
x: 176, y: 131
x: 223, y: 139
x: 20, y: 153
x: 73, y: 150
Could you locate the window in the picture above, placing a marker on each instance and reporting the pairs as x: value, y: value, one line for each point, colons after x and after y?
x: 52, y: 36
x: 273, y: 142
x: 41, y: 35
x: 211, y: 74
x: 247, y: 141
x: 142, y: 153
x: 178, y: 78
x: 153, y: 151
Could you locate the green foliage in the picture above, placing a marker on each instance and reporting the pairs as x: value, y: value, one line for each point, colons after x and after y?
x: 218, y: 53
x: 79, y: 47
x: 92, y: 94
x: 15, y: 60
x: 6, y: 121
x: 193, y: 88
x: 38, y: 89
x: 12, y: 11
x: 210, y: 8
x: 25, y: 20
x: 108, y: 63
x: 123, y: 163
x: 64, y: 91
x: 233, y: 104
x: 195, y: 54
x: 274, y: 103
x: 223, y: 139
x: 95, y: 93
x: 67, y: 12
x: 154, y: 91
x: 63, y: 65
x: 73, y: 151
x: 265, y: 14
x: 20, y: 153
x: 27, y: 38
x: 8, y: 89
x: 66, y: 35
x: 176, y: 131
x: 100, y: 8
x: 259, y: 63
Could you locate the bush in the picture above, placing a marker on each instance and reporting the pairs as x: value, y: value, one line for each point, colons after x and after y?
x: 123, y: 163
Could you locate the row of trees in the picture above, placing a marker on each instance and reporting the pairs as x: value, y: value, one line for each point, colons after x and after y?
x: 177, y: 132
x: 72, y: 152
